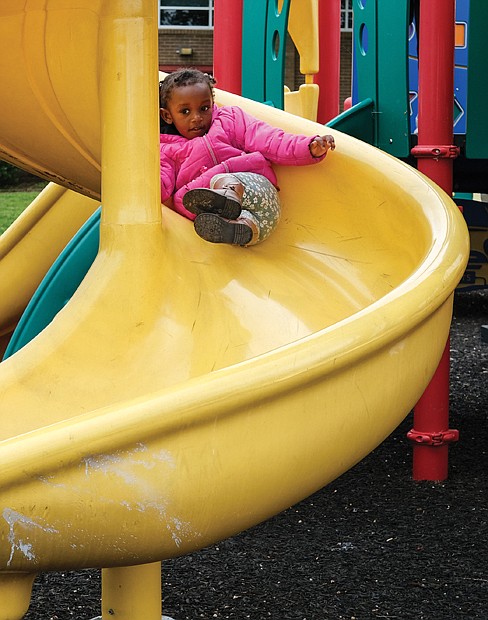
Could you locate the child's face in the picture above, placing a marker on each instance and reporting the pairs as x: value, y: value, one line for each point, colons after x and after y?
x: 190, y: 109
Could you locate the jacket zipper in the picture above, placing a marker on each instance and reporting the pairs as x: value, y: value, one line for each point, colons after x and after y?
x: 211, y: 152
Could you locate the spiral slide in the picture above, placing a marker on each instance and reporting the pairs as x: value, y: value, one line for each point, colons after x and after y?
x: 188, y: 391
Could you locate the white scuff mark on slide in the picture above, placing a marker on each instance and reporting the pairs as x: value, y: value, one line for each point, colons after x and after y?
x: 130, y: 467
x: 178, y: 530
x: 121, y: 463
x: 13, y: 518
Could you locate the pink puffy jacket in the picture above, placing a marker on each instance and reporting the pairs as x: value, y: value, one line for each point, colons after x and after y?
x: 236, y: 142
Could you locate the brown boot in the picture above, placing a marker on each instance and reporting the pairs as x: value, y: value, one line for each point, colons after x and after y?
x: 228, y: 181
x: 224, y: 200
x: 216, y: 229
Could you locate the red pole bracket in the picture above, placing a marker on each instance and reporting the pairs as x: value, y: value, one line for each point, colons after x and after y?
x: 433, y: 439
x: 436, y: 152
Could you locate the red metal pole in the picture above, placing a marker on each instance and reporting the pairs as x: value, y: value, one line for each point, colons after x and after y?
x: 227, y: 53
x: 328, y: 76
x: 435, y: 152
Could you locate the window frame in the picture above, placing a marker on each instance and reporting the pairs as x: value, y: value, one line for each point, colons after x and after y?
x: 167, y: 4
x: 347, y: 14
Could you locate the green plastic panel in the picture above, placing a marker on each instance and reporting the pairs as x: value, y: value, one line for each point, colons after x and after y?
x: 365, y: 53
x: 264, y: 31
x: 276, y: 31
x: 381, y: 57
x: 357, y: 121
x: 254, y: 16
x: 477, y: 112
x: 393, y: 133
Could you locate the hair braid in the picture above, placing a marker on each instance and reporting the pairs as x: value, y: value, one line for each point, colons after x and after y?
x: 183, y: 77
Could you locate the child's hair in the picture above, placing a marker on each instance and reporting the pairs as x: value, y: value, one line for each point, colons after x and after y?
x: 182, y: 77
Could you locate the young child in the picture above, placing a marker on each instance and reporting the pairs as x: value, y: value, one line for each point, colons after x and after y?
x: 216, y: 162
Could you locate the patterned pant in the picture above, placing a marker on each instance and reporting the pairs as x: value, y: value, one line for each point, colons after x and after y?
x: 260, y: 202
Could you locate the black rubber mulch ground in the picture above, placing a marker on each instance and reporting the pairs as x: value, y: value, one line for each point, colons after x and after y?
x: 373, y: 544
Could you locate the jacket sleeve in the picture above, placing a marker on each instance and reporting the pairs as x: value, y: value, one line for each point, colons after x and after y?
x: 167, y: 173
x: 247, y: 162
x: 275, y: 144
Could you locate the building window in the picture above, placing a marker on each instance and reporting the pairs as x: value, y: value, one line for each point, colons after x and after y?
x: 192, y: 14
x: 346, y: 15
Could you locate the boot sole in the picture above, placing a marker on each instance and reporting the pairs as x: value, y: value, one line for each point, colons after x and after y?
x: 215, y: 229
x: 202, y: 200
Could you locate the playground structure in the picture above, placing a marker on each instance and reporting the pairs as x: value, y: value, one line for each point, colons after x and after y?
x: 386, y: 85
x: 411, y: 94
x: 155, y: 414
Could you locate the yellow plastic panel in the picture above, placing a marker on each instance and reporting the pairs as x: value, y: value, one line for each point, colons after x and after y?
x: 303, y: 102
x: 303, y: 29
x: 303, y: 26
x: 190, y: 390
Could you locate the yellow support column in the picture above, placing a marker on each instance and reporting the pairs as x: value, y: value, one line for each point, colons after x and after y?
x: 130, y: 196
x: 132, y: 592
x: 129, y: 81
x: 15, y: 594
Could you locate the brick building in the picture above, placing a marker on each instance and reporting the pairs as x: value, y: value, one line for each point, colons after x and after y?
x: 193, y: 46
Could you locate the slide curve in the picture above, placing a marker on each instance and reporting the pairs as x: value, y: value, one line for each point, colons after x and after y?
x: 188, y: 391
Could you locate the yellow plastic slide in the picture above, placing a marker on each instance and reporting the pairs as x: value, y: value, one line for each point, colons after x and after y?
x: 30, y: 246
x: 190, y: 390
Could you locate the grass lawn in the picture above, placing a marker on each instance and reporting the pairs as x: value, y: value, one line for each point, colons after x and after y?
x: 12, y: 203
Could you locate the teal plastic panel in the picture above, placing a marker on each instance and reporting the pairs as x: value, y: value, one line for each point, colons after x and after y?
x: 357, y: 121
x: 365, y: 51
x: 381, y: 70
x: 264, y: 32
x: 477, y: 113
x: 254, y: 16
x: 276, y: 31
x: 393, y: 133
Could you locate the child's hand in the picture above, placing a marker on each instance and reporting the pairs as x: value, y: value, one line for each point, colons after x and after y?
x: 321, y: 144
